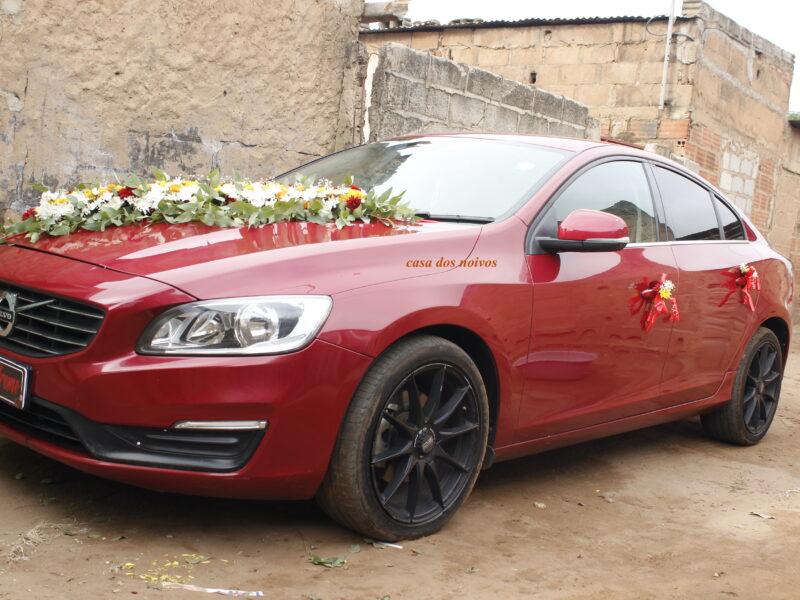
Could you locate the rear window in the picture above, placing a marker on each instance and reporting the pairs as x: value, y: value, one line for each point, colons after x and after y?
x: 731, y: 225
x: 690, y: 213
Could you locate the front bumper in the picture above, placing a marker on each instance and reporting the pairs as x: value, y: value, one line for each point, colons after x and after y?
x: 118, y: 428
x: 108, y: 389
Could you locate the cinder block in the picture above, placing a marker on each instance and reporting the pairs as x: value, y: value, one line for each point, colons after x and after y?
x: 467, y: 111
x: 393, y: 92
x: 594, y: 95
x: 619, y: 72
x: 526, y: 56
x: 566, y: 130
x: 513, y: 93
x: 428, y: 101
x: 533, y: 124
x: 490, y: 57
x: 562, y: 55
x: 447, y: 74
x: 401, y: 59
x: 457, y: 37
x: 500, y: 119
x: 575, y: 113
x: 633, y: 52
x: 393, y: 124
x: 482, y: 83
x: 578, y: 74
x: 425, y: 40
x: 598, y: 53
x: 490, y: 37
x: 548, y: 104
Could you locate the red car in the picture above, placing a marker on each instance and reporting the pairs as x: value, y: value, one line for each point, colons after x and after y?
x: 554, y: 291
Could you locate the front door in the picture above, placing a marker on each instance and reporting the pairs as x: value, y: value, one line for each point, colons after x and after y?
x: 592, y: 359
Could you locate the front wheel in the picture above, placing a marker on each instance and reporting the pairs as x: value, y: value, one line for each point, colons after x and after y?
x: 412, y: 442
x: 745, y: 419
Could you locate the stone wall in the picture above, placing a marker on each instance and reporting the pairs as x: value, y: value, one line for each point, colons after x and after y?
x: 97, y: 89
x: 415, y: 92
x: 612, y: 66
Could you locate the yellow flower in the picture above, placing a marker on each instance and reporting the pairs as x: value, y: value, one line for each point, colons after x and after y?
x: 175, y: 188
x: 664, y: 293
x: 88, y: 193
x: 248, y: 186
x: 300, y: 188
x: 61, y: 200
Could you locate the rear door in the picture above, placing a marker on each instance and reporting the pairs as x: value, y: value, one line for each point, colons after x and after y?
x: 710, y: 244
x: 591, y: 360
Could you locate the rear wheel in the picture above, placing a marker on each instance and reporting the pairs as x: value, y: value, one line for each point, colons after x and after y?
x: 412, y: 442
x: 745, y: 419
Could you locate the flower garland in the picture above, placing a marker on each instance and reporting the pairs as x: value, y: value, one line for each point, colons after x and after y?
x: 212, y: 201
x: 743, y: 278
x: 650, y: 297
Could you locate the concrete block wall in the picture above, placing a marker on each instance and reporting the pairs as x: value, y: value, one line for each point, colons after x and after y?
x: 94, y: 90
x: 612, y: 67
x: 413, y: 91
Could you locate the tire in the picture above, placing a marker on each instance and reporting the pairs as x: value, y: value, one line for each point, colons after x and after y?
x: 746, y: 418
x: 406, y: 458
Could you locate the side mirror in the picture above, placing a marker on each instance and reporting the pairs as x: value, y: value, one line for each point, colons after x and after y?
x: 586, y: 230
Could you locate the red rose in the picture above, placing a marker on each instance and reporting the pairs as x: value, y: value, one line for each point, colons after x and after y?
x: 31, y: 212
x: 353, y: 202
x: 125, y: 192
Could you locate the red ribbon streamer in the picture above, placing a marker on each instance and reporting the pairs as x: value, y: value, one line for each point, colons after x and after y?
x: 650, y: 302
x: 744, y: 282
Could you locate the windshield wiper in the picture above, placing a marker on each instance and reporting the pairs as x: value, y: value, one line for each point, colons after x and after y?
x: 456, y: 218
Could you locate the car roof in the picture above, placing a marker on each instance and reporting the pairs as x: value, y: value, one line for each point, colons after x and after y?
x: 569, y: 144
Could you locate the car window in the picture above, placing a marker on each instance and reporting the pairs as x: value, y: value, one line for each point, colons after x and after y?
x: 690, y: 214
x: 619, y: 188
x: 731, y: 225
x: 442, y: 175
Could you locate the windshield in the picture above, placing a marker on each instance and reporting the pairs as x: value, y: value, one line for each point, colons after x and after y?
x: 442, y: 175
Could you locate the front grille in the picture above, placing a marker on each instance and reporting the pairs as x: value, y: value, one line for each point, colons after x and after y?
x: 59, y: 327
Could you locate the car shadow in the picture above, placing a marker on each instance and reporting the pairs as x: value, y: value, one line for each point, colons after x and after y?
x: 59, y: 493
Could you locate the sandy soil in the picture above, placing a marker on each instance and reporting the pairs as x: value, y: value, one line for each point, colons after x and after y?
x: 660, y: 513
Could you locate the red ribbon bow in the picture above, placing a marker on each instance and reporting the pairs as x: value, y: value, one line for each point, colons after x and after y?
x: 743, y: 278
x: 649, y: 300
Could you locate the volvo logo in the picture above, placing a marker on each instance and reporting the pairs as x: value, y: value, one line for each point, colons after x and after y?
x: 9, y: 309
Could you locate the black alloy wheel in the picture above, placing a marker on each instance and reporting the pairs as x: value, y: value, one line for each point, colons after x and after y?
x: 423, y: 449
x: 411, y: 444
x: 761, y: 388
x: 746, y: 418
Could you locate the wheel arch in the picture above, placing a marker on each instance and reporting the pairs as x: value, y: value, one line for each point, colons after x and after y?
x: 781, y: 330
x: 480, y: 353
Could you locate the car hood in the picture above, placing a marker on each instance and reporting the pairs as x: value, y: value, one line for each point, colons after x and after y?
x: 290, y: 257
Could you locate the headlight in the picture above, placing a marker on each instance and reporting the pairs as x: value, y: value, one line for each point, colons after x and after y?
x: 259, y: 325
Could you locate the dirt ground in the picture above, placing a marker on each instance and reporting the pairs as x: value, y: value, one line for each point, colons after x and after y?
x: 660, y: 513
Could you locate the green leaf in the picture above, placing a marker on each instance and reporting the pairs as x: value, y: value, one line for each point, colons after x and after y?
x: 60, y: 229
x: 134, y: 180
x: 348, y: 180
x: 213, y: 178
x: 329, y: 563
x: 160, y: 176
x: 39, y: 187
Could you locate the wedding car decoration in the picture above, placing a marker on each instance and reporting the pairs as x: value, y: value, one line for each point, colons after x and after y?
x: 213, y: 201
x: 742, y: 278
x: 651, y: 298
